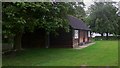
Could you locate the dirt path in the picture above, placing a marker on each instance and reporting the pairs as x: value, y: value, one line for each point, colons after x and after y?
x: 84, y: 46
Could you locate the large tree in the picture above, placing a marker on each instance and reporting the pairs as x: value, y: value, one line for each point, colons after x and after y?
x: 21, y: 16
x: 103, y: 18
x: 76, y: 9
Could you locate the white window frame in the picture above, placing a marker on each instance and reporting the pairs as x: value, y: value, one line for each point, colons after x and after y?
x: 88, y: 33
x: 76, y: 34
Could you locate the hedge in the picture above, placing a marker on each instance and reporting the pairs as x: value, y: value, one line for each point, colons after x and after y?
x: 106, y: 38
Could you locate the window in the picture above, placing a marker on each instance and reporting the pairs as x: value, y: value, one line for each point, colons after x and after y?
x: 88, y: 33
x: 76, y: 34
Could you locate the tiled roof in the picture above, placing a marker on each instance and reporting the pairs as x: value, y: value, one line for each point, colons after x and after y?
x: 77, y: 23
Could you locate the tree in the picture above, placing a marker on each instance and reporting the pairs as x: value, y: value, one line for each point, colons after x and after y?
x: 76, y: 9
x: 103, y: 18
x: 21, y: 16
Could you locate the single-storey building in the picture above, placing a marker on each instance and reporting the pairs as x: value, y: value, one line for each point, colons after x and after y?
x: 79, y: 34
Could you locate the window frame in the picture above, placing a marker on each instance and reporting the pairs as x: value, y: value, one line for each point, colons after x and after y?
x: 89, y: 34
x: 76, y: 34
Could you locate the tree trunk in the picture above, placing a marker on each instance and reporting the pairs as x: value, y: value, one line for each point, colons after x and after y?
x: 47, y: 40
x: 102, y: 34
x: 107, y: 36
x: 17, y: 41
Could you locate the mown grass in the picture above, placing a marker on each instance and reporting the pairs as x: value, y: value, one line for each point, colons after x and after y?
x: 103, y: 53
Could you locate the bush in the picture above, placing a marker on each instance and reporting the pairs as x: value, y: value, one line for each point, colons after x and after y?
x: 106, y: 38
x: 7, y: 43
x: 7, y: 46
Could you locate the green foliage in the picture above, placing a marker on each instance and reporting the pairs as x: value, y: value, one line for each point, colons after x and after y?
x: 103, y: 18
x: 104, y: 38
x: 76, y: 9
x: 20, y: 16
x: 30, y: 15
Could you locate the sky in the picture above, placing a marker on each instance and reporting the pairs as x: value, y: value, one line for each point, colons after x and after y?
x: 89, y: 2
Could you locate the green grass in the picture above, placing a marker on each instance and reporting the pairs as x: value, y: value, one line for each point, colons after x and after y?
x: 103, y: 53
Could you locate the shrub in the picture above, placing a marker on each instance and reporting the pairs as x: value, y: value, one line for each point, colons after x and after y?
x: 106, y: 38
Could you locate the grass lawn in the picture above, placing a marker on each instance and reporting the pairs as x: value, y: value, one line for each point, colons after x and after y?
x: 103, y: 53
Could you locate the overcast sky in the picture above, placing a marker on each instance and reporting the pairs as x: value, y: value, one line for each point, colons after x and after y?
x: 89, y: 2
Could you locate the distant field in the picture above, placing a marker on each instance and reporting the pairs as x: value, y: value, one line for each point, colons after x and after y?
x: 103, y: 53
